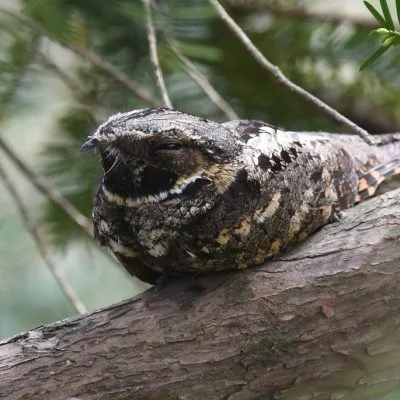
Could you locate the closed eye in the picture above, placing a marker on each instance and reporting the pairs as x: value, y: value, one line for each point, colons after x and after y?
x: 169, y: 146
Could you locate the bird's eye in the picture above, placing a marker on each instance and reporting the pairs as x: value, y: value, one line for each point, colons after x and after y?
x: 169, y: 146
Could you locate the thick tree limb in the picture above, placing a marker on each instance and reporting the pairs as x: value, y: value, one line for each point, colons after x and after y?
x: 322, y: 322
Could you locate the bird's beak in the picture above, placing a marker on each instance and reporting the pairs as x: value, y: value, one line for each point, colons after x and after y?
x: 90, y: 144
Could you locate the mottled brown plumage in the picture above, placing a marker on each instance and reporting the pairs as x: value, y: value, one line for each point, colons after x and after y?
x: 183, y: 195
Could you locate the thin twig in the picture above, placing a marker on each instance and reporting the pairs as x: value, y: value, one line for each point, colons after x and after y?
x: 282, y: 79
x: 151, y: 36
x: 204, y: 83
x: 48, y: 190
x: 42, y: 245
x: 94, y: 59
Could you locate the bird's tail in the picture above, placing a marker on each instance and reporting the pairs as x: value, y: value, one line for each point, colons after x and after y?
x: 380, y: 165
x: 372, y: 178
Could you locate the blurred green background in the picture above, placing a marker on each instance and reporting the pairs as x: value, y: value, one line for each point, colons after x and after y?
x: 52, y: 96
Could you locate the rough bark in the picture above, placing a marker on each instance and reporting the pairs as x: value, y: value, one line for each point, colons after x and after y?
x: 320, y: 322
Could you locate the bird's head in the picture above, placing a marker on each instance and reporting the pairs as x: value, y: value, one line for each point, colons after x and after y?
x: 151, y: 154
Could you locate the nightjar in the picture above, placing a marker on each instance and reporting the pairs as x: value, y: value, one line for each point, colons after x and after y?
x: 181, y: 195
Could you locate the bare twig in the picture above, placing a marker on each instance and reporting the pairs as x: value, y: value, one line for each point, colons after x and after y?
x: 42, y: 245
x: 282, y: 79
x: 151, y: 36
x: 48, y: 190
x: 203, y: 82
x: 94, y: 59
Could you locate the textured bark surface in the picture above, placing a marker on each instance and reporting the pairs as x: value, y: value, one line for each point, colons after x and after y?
x: 321, y: 322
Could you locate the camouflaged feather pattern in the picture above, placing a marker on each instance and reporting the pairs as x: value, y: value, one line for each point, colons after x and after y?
x: 183, y: 195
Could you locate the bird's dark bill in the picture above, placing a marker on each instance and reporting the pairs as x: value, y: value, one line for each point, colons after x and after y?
x: 90, y: 144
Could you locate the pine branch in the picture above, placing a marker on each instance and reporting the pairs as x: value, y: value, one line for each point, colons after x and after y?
x: 94, y: 59
x: 282, y: 79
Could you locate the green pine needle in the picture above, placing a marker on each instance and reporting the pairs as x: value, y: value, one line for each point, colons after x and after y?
x: 387, y: 15
x: 373, y: 57
x: 375, y: 13
x: 398, y: 10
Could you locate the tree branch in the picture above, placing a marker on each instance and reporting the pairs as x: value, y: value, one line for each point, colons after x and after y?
x: 322, y: 322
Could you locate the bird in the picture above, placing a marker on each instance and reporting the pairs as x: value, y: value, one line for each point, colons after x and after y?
x: 181, y: 195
